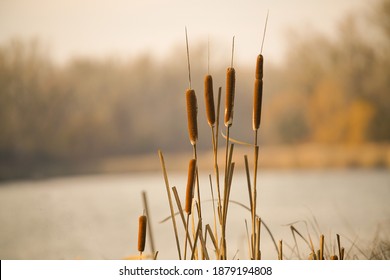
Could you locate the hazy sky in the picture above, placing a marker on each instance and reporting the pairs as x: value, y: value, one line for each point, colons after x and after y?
x: 126, y: 27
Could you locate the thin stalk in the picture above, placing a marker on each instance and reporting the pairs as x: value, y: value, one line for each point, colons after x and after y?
x: 170, y: 202
x: 215, y: 215
x: 187, y: 238
x: 150, y: 232
x: 181, y: 212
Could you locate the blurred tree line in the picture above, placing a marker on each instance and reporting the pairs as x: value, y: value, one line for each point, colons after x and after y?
x: 328, y: 91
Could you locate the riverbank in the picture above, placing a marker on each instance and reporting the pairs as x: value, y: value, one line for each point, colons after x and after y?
x: 303, y: 156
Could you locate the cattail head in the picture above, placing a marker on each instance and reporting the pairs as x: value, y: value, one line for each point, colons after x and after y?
x: 192, y: 112
x: 190, y: 185
x: 230, y: 91
x: 257, y: 100
x: 209, y: 99
x: 141, y: 232
x: 259, y: 67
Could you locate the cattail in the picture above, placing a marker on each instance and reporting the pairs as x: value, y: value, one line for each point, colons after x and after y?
x: 257, y: 101
x: 259, y: 67
x: 209, y: 99
x: 334, y: 258
x: 192, y: 112
x: 230, y: 91
x: 190, y: 185
x: 141, y: 232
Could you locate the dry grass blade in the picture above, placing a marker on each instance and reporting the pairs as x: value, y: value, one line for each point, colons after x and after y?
x: 204, y: 248
x: 175, y: 193
x: 339, y: 245
x: 213, y: 239
x: 262, y: 223
x: 150, y: 231
x: 280, y: 255
x: 248, y: 179
x: 170, y: 201
x: 214, y: 214
x: 257, y: 239
x: 197, y: 233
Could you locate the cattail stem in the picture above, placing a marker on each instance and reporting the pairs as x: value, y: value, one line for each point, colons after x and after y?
x: 189, y: 197
x: 187, y: 237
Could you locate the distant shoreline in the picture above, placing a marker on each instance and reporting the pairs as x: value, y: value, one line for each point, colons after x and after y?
x: 303, y: 156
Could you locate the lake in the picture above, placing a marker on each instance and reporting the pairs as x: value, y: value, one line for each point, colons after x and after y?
x: 96, y: 217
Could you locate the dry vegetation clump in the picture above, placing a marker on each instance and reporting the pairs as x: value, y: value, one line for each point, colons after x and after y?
x: 208, y: 239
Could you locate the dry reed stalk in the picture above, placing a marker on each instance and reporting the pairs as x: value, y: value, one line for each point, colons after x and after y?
x: 150, y: 231
x: 142, y: 221
x: 214, y: 214
x: 248, y: 179
x: 196, y: 237
x: 170, y: 201
x: 339, y: 245
x: 189, y: 196
x: 215, y: 139
x: 213, y: 239
x: 280, y: 255
x: 257, y: 239
x: 322, y: 243
x: 181, y: 212
x: 254, y: 198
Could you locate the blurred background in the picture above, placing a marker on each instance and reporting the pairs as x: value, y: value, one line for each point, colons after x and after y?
x: 97, y: 87
x: 83, y: 86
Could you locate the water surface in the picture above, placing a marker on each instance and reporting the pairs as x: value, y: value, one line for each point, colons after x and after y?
x: 96, y: 217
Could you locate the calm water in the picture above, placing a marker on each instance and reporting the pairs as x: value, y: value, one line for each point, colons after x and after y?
x: 95, y: 217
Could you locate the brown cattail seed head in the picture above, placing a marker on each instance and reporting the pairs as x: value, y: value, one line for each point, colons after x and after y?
x: 334, y: 258
x: 259, y: 67
x: 230, y: 91
x: 192, y: 112
x: 190, y: 185
x: 257, y: 100
x: 209, y: 99
x: 141, y: 232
